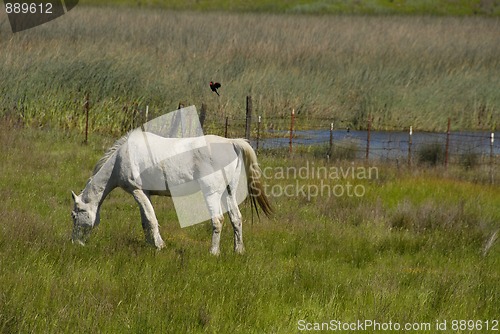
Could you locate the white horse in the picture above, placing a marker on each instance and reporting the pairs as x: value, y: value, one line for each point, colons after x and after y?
x: 120, y: 167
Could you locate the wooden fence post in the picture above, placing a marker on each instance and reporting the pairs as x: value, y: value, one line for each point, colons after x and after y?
x: 248, y: 119
x: 203, y: 115
x: 447, y: 149
x: 135, y: 116
x: 86, y: 107
x: 292, y: 121
x: 225, y: 126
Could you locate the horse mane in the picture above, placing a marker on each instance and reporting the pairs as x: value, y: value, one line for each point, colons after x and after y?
x: 109, y: 153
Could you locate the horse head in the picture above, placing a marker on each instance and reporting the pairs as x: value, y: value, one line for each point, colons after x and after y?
x: 85, y: 217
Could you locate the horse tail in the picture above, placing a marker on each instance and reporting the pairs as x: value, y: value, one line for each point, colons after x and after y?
x: 254, y: 180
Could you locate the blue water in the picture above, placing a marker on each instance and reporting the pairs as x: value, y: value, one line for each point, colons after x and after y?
x: 388, y: 144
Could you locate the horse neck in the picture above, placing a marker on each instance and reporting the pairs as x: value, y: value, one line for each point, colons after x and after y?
x: 100, y: 184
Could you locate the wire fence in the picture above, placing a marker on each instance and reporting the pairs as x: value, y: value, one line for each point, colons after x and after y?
x: 334, y: 139
x: 337, y: 141
x: 369, y: 143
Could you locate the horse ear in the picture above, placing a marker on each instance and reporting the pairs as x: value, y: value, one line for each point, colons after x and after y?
x: 74, y: 196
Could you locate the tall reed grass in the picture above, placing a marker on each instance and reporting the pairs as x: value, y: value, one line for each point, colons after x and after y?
x: 400, y: 71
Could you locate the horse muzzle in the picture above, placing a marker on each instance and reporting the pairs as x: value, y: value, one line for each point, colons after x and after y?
x: 80, y: 235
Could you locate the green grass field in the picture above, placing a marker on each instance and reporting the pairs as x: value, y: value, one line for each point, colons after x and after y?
x: 411, y: 249
x: 378, y: 7
x: 417, y: 246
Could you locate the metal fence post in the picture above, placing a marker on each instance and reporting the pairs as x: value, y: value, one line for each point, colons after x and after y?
x: 368, y: 138
x: 258, y: 133
x: 447, y: 149
x: 330, y: 149
x: 410, y: 142
x: 292, y: 121
x: 492, y: 140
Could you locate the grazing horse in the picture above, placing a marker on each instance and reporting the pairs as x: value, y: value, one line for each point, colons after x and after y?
x: 123, y: 165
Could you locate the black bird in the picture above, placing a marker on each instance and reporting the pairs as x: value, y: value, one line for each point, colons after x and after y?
x: 214, y: 86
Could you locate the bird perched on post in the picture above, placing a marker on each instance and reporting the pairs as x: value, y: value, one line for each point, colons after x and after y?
x: 214, y: 86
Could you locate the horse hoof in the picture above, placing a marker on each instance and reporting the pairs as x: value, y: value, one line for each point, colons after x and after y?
x: 77, y: 242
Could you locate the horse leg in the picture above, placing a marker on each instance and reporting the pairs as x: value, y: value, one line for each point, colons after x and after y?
x: 148, y: 217
x: 235, y: 217
x: 214, y: 207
